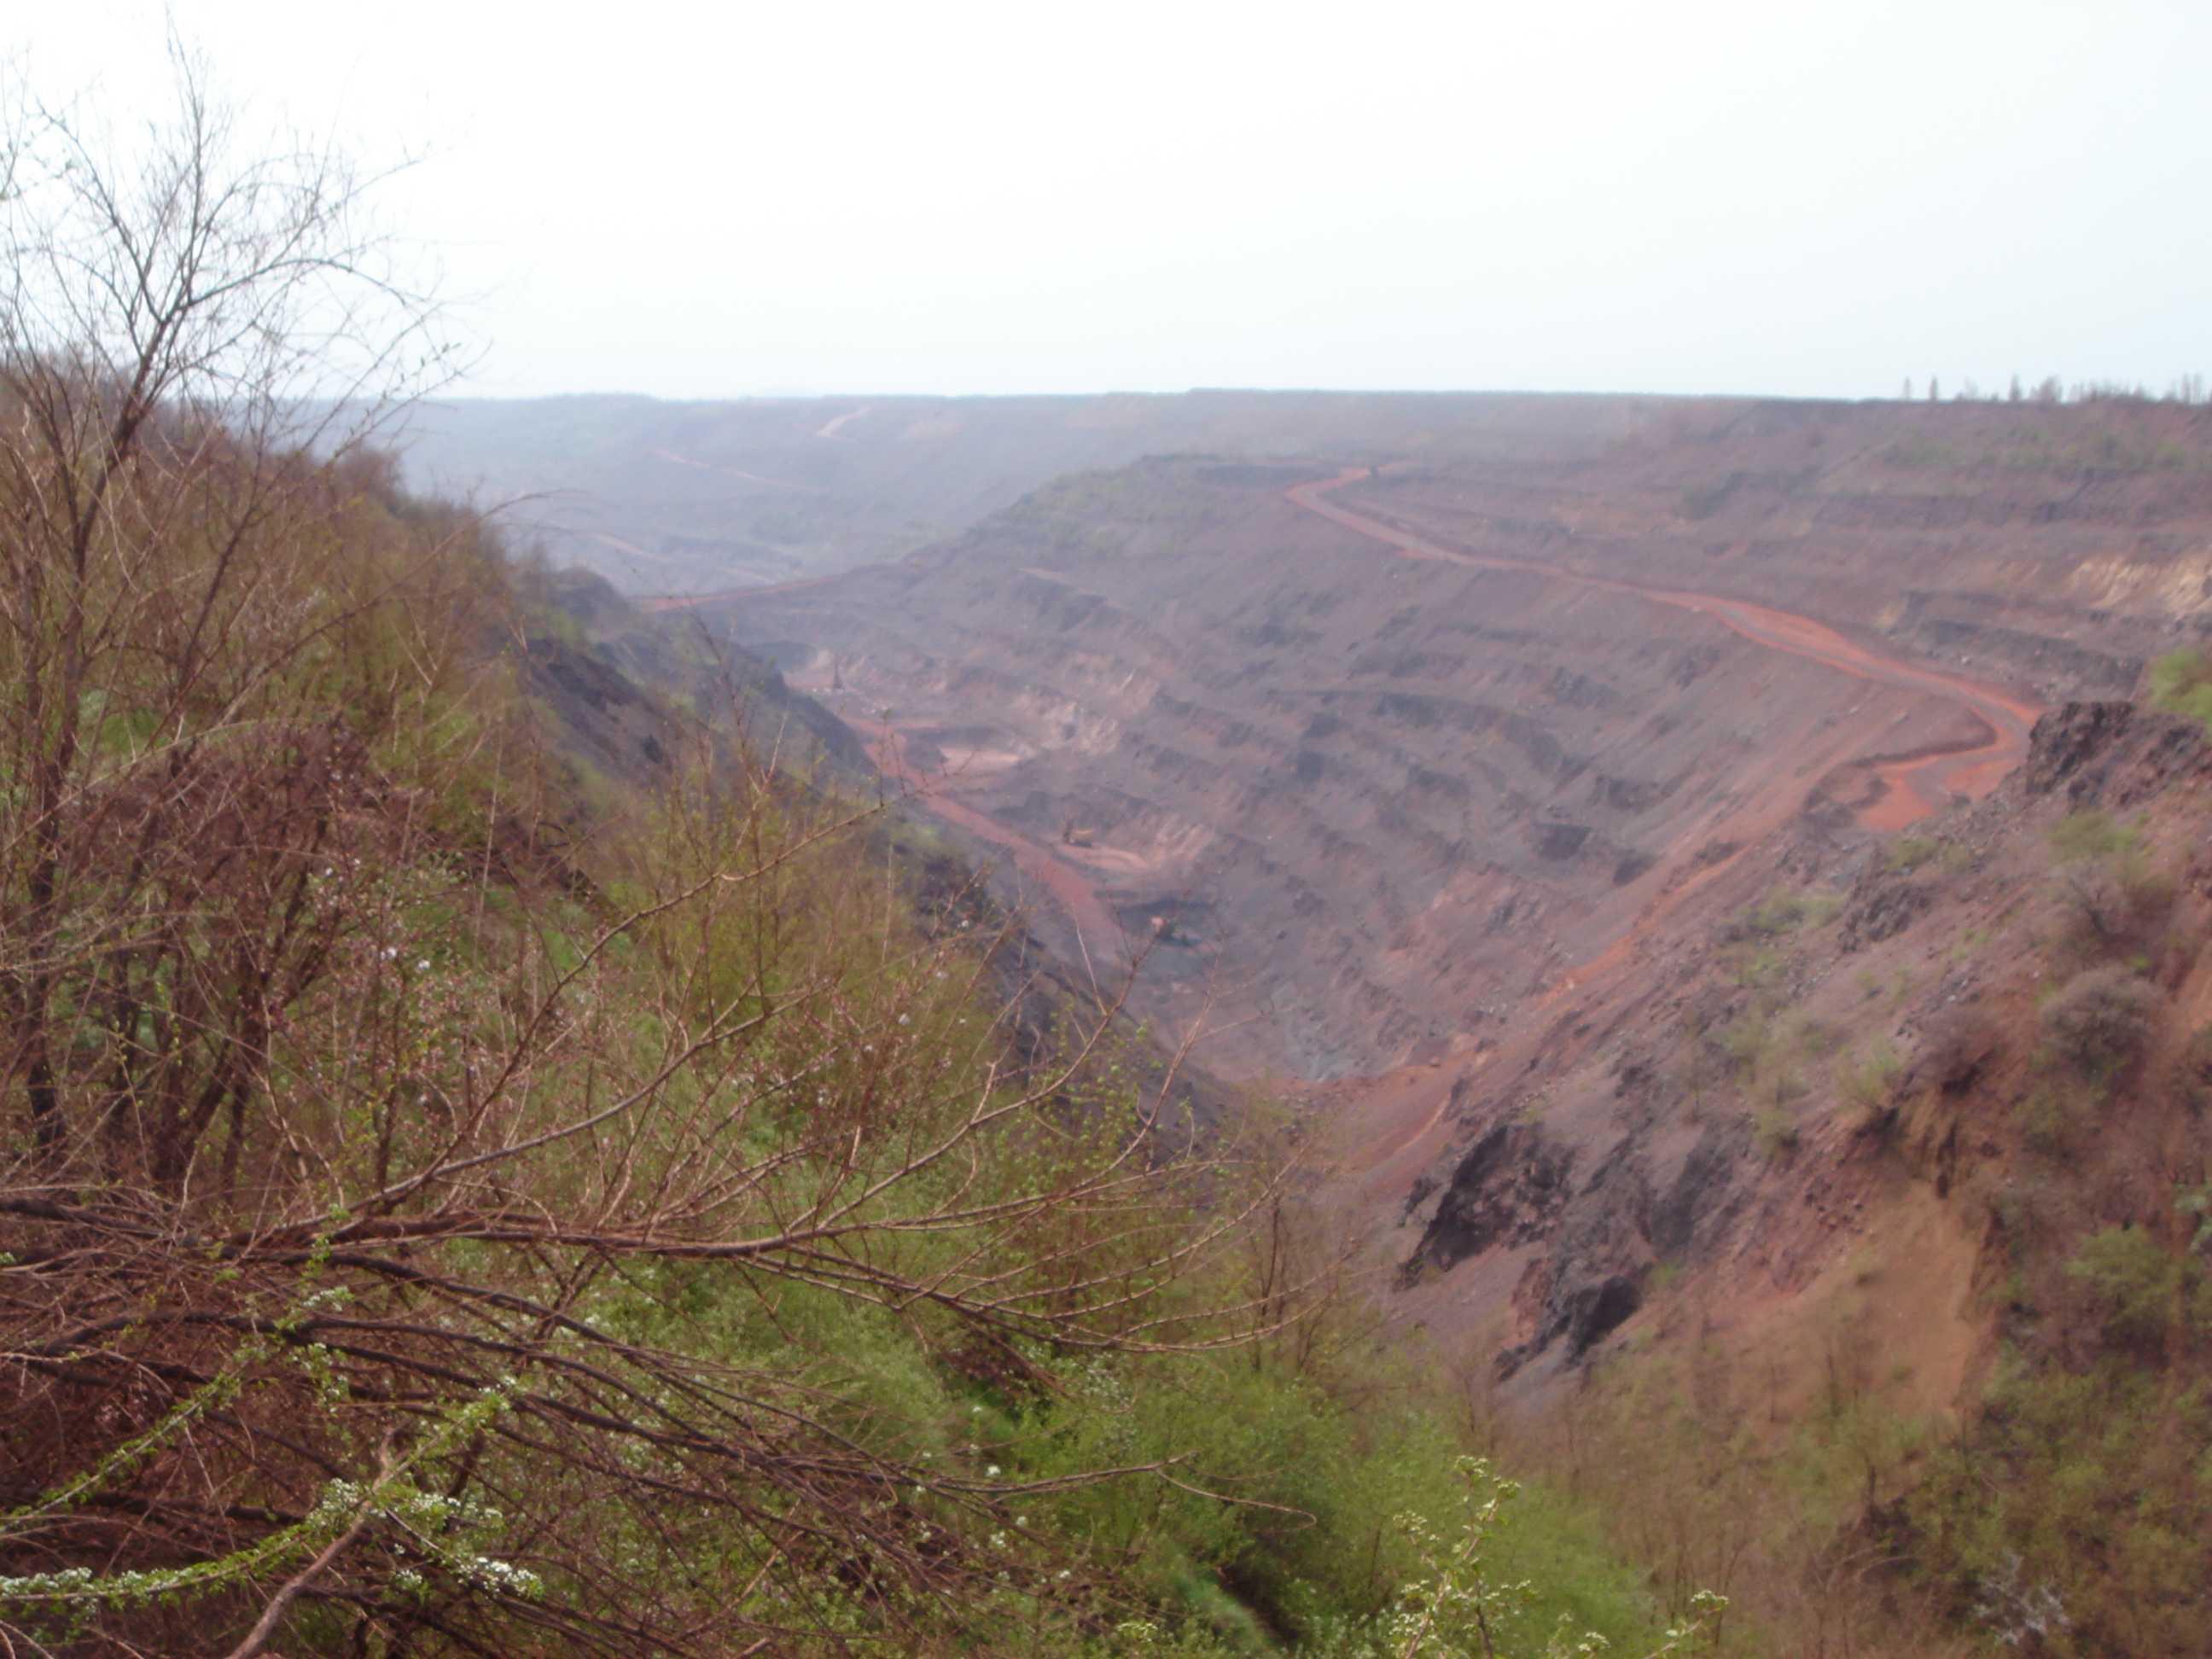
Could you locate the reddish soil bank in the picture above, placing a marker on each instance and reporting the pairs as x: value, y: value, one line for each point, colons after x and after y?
x: 1914, y: 786
x: 1094, y: 923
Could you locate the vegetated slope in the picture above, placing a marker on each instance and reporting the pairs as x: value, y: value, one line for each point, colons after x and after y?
x: 494, y: 1165
x: 705, y: 497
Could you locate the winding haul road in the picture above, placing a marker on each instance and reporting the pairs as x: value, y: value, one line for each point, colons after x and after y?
x: 1072, y: 890
x: 1915, y: 784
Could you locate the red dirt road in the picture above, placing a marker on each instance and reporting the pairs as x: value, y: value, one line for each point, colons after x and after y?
x: 1915, y: 786
x: 1069, y: 889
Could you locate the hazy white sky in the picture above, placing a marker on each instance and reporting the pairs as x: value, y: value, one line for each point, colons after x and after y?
x: 1799, y: 197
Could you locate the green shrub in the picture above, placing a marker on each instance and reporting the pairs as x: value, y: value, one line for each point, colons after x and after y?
x: 1746, y: 1041
x: 1759, y: 968
x: 2059, y: 1107
x: 2181, y: 680
x: 1916, y: 450
x: 1866, y: 1081
x: 1776, y: 914
x: 2114, y: 897
x: 1818, y: 1039
x: 1908, y: 853
x: 1959, y: 1043
x: 2091, y: 833
x: 2103, y: 1018
x: 2075, y: 1500
x: 2139, y: 1282
x: 1774, y: 1130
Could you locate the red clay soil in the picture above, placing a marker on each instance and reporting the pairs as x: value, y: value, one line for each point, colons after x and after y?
x: 1074, y: 895
x: 1915, y: 786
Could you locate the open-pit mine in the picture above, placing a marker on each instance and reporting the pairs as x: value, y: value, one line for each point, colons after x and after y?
x: 1659, y: 849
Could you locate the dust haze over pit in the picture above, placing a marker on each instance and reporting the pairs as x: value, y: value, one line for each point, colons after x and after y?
x: 1817, y: 200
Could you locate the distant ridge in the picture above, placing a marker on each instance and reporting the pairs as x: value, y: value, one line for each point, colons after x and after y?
x: 693, y: 497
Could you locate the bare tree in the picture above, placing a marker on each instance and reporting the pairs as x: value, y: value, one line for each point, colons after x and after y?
x: 193, y: 262
x: 182, y: 316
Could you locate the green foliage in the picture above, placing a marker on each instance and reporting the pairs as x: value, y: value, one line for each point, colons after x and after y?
x: 2181, y: 680
x: 1901, y: 987
x: 2114, y: 897
x: 1748, y: 1041
x: 1291, y: 1461
x: 1765, y: 1057
x: 1909, y: 853
x: 2074, y: 1517
x: 1774, y: 1130
x: 2141, y: 1283
x: 441, y: 1528
x: 1462, y: 1597
x: 1868, y: 1078
x: 1759, y: 969
x: 2060, y: 1106
x: 2103, y: 1018
x: 1779, y: 912
x: 1821, y: 908
x: 2091, y: 833
x: 1818, y: 1039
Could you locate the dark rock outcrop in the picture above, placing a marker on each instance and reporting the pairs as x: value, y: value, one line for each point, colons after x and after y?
x: 2113, y: 754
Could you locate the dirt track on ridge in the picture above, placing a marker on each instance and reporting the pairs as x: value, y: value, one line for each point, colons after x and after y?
x: 1915, y: 784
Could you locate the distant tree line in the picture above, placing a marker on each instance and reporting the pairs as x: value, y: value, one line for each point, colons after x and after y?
x: 2187, y: 389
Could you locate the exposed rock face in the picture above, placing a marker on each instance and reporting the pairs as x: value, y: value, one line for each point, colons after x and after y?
x: 2115, y: 752
x: 1508, y: 1189
x: 1397, y: 798
x: 1780, y: 1111
x: 1882, y: 905
x: 2055, y: 547
x: 596, y: 683
x: 2068, y: 737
